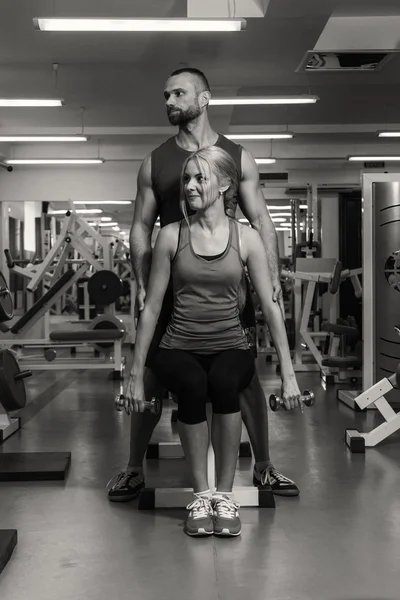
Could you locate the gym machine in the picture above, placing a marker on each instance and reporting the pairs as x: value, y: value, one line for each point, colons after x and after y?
x: 105, y: 333
x: 21, y: 466
x: 381, y: 268
x: 333, y: 368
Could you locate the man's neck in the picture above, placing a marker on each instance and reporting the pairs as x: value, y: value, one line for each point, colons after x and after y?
x: 196, y: 135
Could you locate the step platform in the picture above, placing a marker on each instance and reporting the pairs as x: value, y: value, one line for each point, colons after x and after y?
x: 163, y: 450
x: 8, y: 541
x: 34, y: 466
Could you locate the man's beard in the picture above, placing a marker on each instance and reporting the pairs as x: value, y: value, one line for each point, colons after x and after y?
x: 182, y: 117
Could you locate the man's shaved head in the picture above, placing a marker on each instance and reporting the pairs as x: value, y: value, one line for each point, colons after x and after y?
x: 198, y: 77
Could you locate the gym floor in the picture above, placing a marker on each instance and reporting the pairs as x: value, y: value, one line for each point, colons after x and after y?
x: 339, y: 540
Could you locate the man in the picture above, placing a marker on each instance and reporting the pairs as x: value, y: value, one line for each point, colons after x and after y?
x: 187, y: 96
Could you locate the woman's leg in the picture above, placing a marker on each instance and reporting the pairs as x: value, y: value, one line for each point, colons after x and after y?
x: 182, y: 374
x: 230, y: 373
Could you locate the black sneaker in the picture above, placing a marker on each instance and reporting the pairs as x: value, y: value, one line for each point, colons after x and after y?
x: 125, y: 486
x: 281, y: 485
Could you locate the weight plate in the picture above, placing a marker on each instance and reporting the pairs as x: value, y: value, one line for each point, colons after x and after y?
x: 104, y: 287
x: 6, y: 303
x: 12, y: 391
x: 105, y: 322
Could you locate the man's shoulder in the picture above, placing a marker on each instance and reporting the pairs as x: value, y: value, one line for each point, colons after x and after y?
x: 165, y: 146
x: 223, y: 140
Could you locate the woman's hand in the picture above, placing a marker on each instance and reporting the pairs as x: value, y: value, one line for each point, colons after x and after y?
x: 134, y: 394
x: 291, y: 394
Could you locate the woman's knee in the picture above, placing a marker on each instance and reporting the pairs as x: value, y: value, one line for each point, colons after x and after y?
x: 192, y: 411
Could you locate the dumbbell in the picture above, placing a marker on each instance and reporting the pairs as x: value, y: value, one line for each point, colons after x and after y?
x: 121, y: 403
x: 276, y: 403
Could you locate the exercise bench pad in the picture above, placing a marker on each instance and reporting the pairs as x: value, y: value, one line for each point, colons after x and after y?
x: 342, y: 362
x: 87, y: 335
x: 34, y: 466
x: 338, y: 329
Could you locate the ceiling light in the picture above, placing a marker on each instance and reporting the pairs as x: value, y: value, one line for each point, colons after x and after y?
x: 282, y: 228
x: 89, y: 211
x: 78, y: 24
x: 42, y: 138
x: 259, y: 136
x: 389, y: 134
x: 274, y: 207
x: 303, y: 207
x: 278, y: 219
x: 373, y: 158
x: 101, y: 202
x: 106, y: 219
x: 265, y: 161
x: 18, y: 102
x: 116, y: 228
x: 264, y: 100
x: 282, y: 214
x: 112, y: 224
x: 55, y: 161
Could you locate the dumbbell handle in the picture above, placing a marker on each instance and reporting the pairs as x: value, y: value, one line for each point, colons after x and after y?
x: 23, y: 375
x: 153, y: 406
x: 305, y: 397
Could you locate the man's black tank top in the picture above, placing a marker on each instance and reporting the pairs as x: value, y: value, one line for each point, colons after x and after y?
x: 166, y: 168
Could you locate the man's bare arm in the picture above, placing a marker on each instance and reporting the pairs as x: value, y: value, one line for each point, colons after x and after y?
x: 145, y: 216
x: 254, y: 208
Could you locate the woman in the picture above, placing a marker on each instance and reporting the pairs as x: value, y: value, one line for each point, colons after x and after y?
x: 204, y: 354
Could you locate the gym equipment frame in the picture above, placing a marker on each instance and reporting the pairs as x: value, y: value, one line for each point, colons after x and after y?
x: 381, y: 307
x: 113, y: 338
x: 357, y: 441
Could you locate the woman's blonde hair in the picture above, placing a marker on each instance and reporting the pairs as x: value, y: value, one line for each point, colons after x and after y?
x: 214, y: 160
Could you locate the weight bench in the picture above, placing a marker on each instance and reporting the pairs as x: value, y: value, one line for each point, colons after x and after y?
x: 341, y: 364
x: 151, y: 498
x: 357, y: 441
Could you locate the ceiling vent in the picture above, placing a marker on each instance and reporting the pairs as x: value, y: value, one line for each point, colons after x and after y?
x: 343, y: 61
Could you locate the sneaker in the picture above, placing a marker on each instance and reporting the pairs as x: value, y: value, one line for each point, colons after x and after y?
x: 200, y: 518
x: 226, y: 516
x: 125, y: 486
x: 281, y: 485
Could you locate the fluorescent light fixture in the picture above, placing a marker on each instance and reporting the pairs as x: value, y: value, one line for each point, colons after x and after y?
x: 36, y: 102
x: 103, y: 202
x: 55, y: 161
x: 116, y: 228
x: 373, y: 158
x: 265, y: 161
x: 278, y: 219
x: 104, y: 219
x: 389, y: 134
x: 259, y: 136
x: 282, y: 228
x: 166, y: 25
x: 42, y: 138
x: 274, y: 207
x: 89, y: 211
x: 111, y: 224
x: 303, y: 206
x: 282, y: 214
x: 240, y: 101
